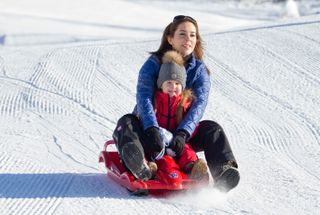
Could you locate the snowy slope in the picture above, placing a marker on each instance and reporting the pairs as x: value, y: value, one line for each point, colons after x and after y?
x: 60, y: 102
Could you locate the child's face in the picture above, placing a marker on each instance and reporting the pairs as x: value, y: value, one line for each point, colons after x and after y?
x: 171, y: 87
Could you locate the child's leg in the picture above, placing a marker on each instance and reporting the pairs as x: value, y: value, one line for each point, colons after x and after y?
x: 187, y: 158
x: 190, y: 163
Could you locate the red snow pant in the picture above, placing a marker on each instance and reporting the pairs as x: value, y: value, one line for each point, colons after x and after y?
x: 187, y: 156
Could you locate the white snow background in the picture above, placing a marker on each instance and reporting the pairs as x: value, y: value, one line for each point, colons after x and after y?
x: 68, y: 71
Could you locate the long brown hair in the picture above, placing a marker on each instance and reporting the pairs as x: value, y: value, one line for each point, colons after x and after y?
x: 186, y: 96
x: 170, y: 30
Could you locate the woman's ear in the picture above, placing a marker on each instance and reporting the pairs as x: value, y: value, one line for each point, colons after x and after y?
x: 169, y: 40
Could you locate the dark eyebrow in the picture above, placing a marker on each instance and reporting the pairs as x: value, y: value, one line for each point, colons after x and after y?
x: 186, y: 31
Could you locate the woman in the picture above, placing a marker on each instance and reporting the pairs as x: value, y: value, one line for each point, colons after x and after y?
x: 136, y: 136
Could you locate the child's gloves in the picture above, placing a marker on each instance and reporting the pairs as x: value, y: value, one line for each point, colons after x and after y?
x: 153, y: 142
x: 166, y: 137
x: 178, y: 141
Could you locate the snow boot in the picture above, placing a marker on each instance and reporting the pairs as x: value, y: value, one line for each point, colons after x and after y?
x: 127, y: 138
x: 199, y: 170
x: 153, y: 168
x: 228, y: 178
x: 133, y: 159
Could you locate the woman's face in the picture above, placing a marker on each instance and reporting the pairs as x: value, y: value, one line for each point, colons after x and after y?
x: 184, y: 39
x: 172, y: 87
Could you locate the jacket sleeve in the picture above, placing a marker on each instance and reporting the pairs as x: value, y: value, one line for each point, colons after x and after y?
x: 201, y: 88
x: 146, y: 86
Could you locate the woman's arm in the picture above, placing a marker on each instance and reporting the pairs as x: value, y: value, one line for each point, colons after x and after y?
x: 146, y: 87
x: 201, y: 87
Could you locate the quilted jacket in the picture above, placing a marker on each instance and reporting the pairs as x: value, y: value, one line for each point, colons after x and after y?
x: 198, y: 81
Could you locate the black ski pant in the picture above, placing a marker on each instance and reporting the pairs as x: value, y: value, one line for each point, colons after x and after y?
x: 209, y: 138
x: 128, y: 129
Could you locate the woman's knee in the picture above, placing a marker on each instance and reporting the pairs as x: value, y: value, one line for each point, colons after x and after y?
x: 209, y: 125
x: 128, y: 119
x: 128, y: 129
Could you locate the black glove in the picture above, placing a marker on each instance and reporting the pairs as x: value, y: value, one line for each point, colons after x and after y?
x: 178, y: 141
x: 153, y: 142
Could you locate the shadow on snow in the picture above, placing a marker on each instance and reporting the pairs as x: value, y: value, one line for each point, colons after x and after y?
x: 71, y: 185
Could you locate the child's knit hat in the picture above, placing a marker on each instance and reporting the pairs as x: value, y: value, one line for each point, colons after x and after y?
x: 172, y: 68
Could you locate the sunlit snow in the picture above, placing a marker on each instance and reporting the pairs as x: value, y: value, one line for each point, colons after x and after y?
x: 68, y: 71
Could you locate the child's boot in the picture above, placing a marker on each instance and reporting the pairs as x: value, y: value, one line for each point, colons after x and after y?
x: 153, y: 168
x: 199, y: 170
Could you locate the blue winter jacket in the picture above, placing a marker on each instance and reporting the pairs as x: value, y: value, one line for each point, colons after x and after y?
x: 197, y: 79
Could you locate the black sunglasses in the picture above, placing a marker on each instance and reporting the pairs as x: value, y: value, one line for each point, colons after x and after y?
x: 183, y: 17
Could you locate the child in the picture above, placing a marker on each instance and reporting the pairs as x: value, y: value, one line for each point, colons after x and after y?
x: 171, y: 103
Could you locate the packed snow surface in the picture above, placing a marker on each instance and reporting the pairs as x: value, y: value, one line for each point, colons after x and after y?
x: 66, y: 76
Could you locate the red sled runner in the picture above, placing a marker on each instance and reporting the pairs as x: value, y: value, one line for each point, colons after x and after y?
x: 169, y: 177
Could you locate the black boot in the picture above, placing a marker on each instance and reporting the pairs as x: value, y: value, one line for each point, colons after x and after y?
x: 127, y: 138
x: 227, y: 176
x: 133, y: 159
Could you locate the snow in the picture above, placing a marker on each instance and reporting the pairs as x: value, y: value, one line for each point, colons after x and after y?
x: 68, y: 71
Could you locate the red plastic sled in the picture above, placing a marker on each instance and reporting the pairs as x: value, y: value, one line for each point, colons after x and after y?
x: 169, y: 176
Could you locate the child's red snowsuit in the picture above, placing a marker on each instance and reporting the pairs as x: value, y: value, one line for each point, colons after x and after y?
x: 169, y: 113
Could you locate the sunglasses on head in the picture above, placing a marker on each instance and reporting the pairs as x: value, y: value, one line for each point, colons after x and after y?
x: 183, y: 17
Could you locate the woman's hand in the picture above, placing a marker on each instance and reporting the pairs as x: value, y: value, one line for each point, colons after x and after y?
x: 178, y: 141
x: 153, y: 142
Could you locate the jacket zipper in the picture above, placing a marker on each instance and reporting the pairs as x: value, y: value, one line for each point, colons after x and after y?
x: 169, y: 113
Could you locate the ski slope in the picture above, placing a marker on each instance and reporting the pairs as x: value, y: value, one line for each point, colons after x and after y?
x: 59, y: 103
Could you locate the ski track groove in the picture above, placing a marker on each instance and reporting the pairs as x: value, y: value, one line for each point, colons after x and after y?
x: 25, y: 206
x: 3, y: 159
x: 274, y: 146
x: 111, y: 85
x: 296, y: 115
x: 271, y: 49
x: 16, y: 204
x: 265, y: 94
x: 232, y: 81
x: 300, y: 34
x: 46, y: 77
x: 7, y: 105
x: 259, y: 133
x: 295, y: 33
x: 2, y: 68
x: 296, y: 69
x: 32, y: 96
x: 111, y: 70
x: 21, y: 200
x: 107, y: 80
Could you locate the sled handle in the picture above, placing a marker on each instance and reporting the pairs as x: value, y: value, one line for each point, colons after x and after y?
x: 108, y: 143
